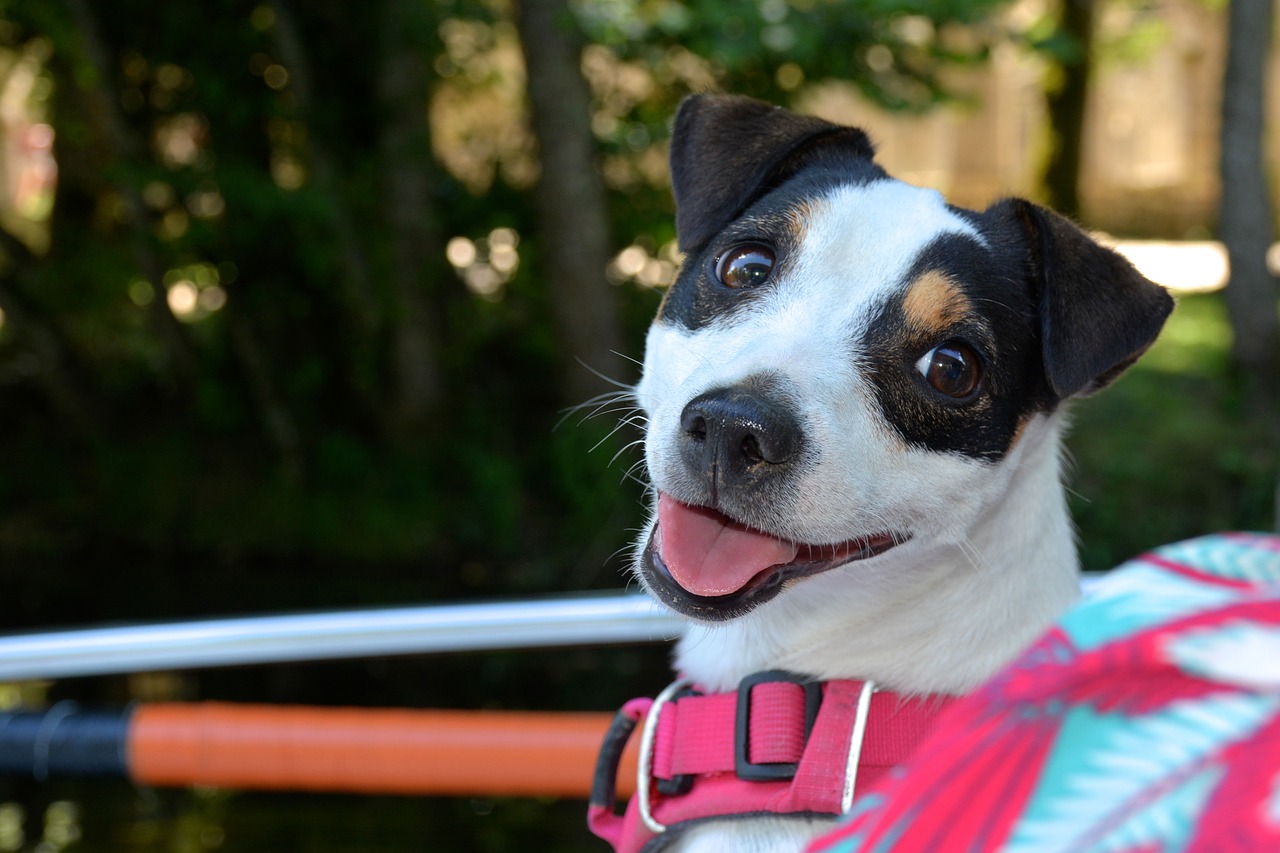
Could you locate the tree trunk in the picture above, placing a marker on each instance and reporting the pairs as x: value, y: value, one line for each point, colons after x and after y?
x: 363, y: 323
x: 108, y: 122
x: 361, y: 298
x: 57, y: 369
x: 573, y: 217
x: 1246, y: 221
x: 417, y: 250
x: 278, y: 422
x: 1067, y: 107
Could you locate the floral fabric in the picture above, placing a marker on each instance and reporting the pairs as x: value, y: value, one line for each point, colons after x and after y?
x: 1146, y: 721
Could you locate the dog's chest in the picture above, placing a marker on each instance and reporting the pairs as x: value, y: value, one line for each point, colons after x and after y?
x: 754, y: 835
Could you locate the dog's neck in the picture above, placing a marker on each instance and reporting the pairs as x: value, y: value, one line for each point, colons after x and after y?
x: 924, y: 619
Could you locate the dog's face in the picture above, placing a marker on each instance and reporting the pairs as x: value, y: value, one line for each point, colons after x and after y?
x: 846, y: 365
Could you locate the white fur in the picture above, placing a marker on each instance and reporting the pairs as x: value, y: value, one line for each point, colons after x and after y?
x: 759, y: 835
x: 991, y: 560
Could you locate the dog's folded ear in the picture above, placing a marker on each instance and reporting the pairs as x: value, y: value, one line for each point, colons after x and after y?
x: 1097, y: 313
x: 727, y: 151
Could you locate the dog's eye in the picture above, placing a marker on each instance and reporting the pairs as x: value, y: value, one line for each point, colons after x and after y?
x: 951, y: 368
x: 748, y: 265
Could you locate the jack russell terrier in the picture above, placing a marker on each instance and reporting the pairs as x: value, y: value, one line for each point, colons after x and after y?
x: 854, y: 398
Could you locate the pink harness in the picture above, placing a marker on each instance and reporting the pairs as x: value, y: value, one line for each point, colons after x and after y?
x: 780, y: 744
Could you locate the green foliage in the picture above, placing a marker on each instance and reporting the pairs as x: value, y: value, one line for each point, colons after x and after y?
x: 895, y: 50
x: 244, y: 166
x: 248, y: 448
x: 1171, y: 451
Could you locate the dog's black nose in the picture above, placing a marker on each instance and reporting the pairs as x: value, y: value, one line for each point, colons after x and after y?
x: 730, y: 433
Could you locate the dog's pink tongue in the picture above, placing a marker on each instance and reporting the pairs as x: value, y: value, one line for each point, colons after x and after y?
x: 710, y: 555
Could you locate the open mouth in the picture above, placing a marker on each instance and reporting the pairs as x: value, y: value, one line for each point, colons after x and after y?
x: 703, y: 564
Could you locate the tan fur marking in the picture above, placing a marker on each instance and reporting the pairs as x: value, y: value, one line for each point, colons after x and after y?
x: 934, y: 302
x: 1019, y: 431
x: 798, y: 222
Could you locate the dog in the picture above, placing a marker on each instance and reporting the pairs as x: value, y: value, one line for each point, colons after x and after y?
x: 854, y: 400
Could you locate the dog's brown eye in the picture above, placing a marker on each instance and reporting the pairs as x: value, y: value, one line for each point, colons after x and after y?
x: 951, y: 368
x: 748, y: 265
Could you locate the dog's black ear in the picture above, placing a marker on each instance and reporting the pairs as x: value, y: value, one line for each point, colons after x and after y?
x: 727, y: 151
x: 1097, y: 313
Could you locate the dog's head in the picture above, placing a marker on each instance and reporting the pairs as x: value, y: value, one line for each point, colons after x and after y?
x: 846, y: 365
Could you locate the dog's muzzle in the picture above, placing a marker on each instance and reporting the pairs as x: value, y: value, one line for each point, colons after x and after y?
x: 760, y: 585
x: 710, y: 554
x: 734, y: 439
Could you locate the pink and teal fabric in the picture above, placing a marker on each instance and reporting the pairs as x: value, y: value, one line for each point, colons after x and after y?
x: 1146, y: 721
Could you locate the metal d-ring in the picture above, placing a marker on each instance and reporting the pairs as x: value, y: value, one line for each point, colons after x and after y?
x: 644, y: 768
x: 855, y: 746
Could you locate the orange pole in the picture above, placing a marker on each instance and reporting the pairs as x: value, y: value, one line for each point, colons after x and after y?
x: 482, y: 753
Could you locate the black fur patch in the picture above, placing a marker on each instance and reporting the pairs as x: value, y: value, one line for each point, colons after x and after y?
x: 741, y: 171
x: 1050, y: 313
x: 1097, y: 313
x: 779, y: 220
x: 728, y: 151
x: 1002, y: 331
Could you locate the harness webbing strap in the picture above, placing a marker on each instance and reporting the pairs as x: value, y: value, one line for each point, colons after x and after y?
x: 783, y: 749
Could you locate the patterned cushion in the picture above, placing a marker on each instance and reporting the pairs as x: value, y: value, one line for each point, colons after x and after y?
x: 1147, y: 720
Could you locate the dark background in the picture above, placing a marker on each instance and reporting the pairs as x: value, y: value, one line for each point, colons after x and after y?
x: 302, y: 321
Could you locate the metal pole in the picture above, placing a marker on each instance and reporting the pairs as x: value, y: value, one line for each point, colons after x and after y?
x: 304, y: 748
x: 578, y: 620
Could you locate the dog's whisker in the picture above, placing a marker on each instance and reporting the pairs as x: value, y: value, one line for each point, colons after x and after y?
x: 633, y: 478
x: 629, y: 476
x: 604, y: 376
x: 974, y: 555
x: 595, y: 404
x: 618, y: 403
x: 627, y: 423
x: 630, y: 358
x: 632, y: 416
x: 603, y: 396
x: 609, y: 408
x: 622, y: 553
x: 606, y: 438
x: 635, y: 472
x: 622, y: 423
x: 619, y: 427
x: 624, y: 449
x: 612, y: 408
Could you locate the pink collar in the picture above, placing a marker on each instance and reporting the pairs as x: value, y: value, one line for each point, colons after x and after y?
x: 780, y: 744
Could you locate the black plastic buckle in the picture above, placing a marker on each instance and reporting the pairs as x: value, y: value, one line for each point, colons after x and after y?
x: 768, y: 772
x: 677, y: 785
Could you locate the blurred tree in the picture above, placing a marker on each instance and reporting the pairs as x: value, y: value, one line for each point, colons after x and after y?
x: 417, y: 245
x: 1246, y: 219
x: 1070, y: 47
x: 60, y: 375
x: 319, y: 282
x: 897, y: 54
x: 307, y: 265
x: 573, y: 216
x: 119, y: 149
x: 318, y: 276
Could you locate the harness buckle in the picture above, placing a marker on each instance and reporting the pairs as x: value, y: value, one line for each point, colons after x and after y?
x: 644, y: 768
x: 856, y: 737
x: 770, y: 771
